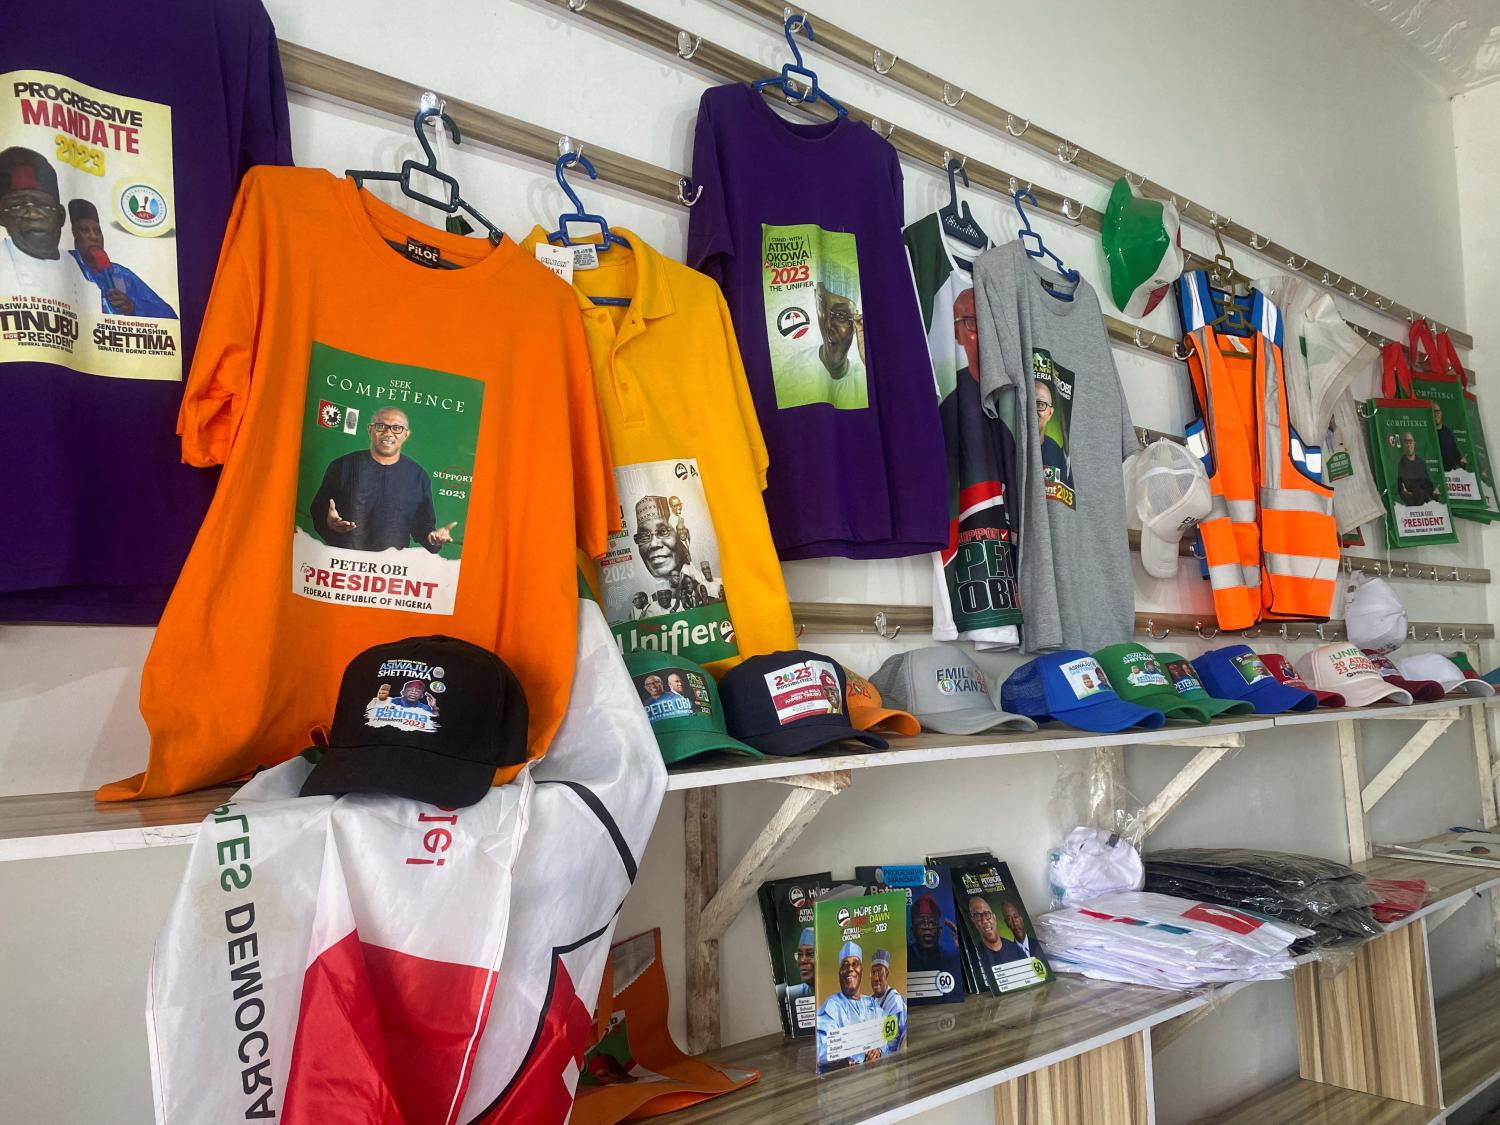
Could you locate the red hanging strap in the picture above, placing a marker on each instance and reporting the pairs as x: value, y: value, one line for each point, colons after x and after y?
x: 1423, y: 346
x: 1448, y: 357
x: 1395, y: 372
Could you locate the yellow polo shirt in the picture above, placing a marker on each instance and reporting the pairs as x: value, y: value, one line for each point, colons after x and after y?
x: 694, y: 571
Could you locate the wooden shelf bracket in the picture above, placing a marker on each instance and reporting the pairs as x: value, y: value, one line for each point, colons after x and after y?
x: 1214, y: 749
x: 711, y: 905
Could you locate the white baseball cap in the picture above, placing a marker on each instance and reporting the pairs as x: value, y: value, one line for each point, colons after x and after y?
x: 1171, y: 495
x: 1342, y: 668
x: 1374, y: 617
x: 1436, y: 666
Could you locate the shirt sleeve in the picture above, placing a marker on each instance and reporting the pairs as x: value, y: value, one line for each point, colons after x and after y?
x: 1130, y: 442
x: 218, y: 385
x: 265, y: 129
x: 748, y: 417
x: 1000, y: 360
x: 710, y: 244
x: 596, y: 506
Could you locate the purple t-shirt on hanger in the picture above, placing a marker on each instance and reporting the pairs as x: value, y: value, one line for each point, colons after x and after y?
x: 123, y: 137
x: 801, y: 226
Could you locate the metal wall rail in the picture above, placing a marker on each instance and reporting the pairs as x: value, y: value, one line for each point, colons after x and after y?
x: 642, y: 27
x: 346, y: 82
x: 858, y: 619
x: 902, y: 72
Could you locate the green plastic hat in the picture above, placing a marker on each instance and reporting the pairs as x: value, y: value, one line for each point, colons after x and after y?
x: 1142, y: 248
x: 1184, y: 678
x: 682, y: 702
x: 1136, y: 674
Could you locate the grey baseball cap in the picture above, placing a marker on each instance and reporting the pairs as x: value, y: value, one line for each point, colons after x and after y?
x: 945, y: 690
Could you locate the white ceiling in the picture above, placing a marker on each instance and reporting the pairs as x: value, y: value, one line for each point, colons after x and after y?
x: 1456, y: 43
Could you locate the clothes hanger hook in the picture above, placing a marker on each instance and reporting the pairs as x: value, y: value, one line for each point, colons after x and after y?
x: 796, y: 22
x: 420, y: 120
x: 568, y: 160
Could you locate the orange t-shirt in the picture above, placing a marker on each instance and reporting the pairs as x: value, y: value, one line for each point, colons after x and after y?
x: 406, y: 450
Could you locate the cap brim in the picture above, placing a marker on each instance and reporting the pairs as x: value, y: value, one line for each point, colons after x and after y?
x: 679, y: 746
x: 1110, y: 716
x: 1475, y: 687
x: 1375, y: 689
x: 1173, y: 706
x: 975, y: 720
x: 805, y: 738
x: 400, y: 771
x: 1159, y: 556
x: 1271, y: 697
x: 1216, y: 706
x: 892, y: 722
x: 1422, y: 691
x: 1330, y: 699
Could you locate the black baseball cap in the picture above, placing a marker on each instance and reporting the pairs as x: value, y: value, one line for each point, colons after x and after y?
x: 430, y: 718
x: 790, y: 703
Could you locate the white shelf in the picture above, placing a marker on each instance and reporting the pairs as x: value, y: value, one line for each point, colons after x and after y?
x: 1380, y: 711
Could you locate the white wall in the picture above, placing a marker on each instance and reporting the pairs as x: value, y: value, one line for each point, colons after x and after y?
x: 1303, y: 127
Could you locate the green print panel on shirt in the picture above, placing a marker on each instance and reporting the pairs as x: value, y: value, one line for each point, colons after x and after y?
x: 814, y: 316
x: 1053, y: 386
x: 383, y: 483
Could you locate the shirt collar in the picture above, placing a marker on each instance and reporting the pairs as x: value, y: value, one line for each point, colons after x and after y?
x: 653, y: 292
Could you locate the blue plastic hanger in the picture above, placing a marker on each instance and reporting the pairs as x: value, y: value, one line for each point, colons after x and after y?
x: 955, y: 217
x: 795, y: 23
x: 579, y: 215
x: 1032, y: 242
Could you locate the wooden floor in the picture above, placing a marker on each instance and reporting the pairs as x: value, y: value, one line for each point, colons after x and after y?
x: 1300, y: 1102
x: 983, y: 1041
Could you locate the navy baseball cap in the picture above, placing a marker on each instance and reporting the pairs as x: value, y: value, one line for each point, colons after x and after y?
x: 789, y: 703
x: 1069, y: 686
x: 1238, y: 672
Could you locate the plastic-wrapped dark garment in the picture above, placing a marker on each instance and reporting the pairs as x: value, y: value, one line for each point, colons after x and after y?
x: 1321, y: 899
x: 1355, y: 921
x: 1229, y: 865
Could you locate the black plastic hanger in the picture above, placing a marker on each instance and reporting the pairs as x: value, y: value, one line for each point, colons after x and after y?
x: 455, y: 201
x: 955, y: 217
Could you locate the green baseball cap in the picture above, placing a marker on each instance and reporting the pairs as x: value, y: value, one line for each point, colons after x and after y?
x: 1184, y: 678
x: 682, y: 702
x: 1142, y: 248
x: 1136, y: 674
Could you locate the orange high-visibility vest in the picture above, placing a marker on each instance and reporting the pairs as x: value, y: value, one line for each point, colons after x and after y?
x: 1270, y: 541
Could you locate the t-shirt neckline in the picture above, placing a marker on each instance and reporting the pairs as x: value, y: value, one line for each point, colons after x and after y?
x: 794, y: 132
x: 367, y: 213
x: 1040, y: 273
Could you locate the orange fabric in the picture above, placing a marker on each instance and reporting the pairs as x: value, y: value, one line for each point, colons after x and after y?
x: 243, y: 665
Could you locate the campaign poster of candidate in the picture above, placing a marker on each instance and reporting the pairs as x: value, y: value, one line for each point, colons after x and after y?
x: 1456, y: 452
x: 1009, y: 955
x: 674, y: 693
x: 662, y: 584
x: 934, y: 960
x: 1052, y: 390
x: 88, y: 251
x: 383, y: 484
x: 1405, y: 443
x: 792, y: 905
x: 814, y: 318
x: 861, y: 979
x: 406, y: 695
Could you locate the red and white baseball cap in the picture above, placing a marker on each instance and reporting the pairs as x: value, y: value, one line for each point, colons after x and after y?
x: 1343, y: 668
x: 1423, y: 691
x: 1284, y: 671
x: 1436, y: 666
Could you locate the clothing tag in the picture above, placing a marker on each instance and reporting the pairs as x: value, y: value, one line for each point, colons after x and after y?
x: 424, y: 255
x: 1339, y: 466
x: 558, y: 259
x: 586, y: 257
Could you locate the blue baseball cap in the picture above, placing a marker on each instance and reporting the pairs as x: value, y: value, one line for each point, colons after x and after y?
x: 1237, y: 672
x: 1070, y: 687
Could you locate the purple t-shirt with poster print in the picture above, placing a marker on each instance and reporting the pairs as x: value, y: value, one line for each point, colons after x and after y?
x: 801, y: 227
x: 124, y: 132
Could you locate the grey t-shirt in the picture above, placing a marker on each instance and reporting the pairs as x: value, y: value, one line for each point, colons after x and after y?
x: 1053, y: 357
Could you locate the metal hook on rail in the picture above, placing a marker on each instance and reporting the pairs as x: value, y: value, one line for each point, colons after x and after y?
x: 684, y: 51
x: 577, y: 5
x: 1257, y: 242
x: 1295, y: 263
x: 682, y: 197
x: 1067, y: 206
x: 801, y: 628
x: 1144, y: 346
x: 890, y: 127
x: 1440, y: 631
x: 1153, y: 634
x: 883, y: 626
x: 1198, y: 628
x: 1250, y: 634
x: 1135, y: 180
x: 948, y: 89
x: 1067, y: 151
x: 875, y: 62
x: 1179, y: 351
x: 1010, y: 122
